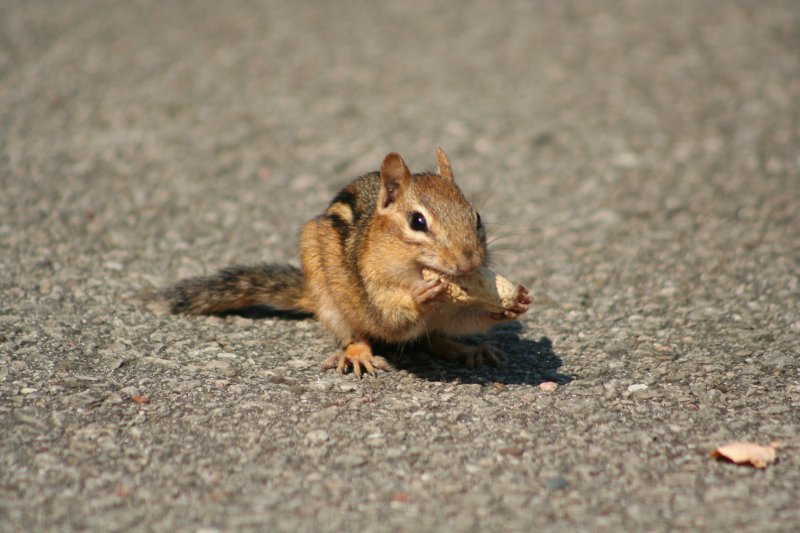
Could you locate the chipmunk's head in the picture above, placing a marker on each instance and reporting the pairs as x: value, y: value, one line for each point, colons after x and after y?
x: 427, y: 214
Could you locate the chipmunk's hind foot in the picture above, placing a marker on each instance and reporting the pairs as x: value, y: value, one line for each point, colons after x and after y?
x: 359, y: 357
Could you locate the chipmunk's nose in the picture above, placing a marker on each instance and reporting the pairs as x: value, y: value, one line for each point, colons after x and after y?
x: 468, y: 262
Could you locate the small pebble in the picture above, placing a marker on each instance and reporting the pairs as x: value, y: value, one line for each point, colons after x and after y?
x: 548, y: 386
x: 129, y: 391
x: 472, y: 469
x: 636, y: 387
x: 318, y: 436
x: 350, y: 460
x: 217, y: 365
x: 516, y: 451
x: 557, y: 483
x: 300, y: 363
x: 320, y: 385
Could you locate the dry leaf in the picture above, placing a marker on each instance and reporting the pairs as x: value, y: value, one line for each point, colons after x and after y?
x: 140, y: 399
x: 401, y: 496
x: 757, y: 455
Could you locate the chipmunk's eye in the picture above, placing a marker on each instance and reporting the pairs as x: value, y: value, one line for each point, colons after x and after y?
x: 418, y: 222
x: 479, y: 224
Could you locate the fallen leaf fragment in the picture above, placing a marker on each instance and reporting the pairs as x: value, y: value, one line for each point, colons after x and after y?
x: 757, y: 455
x: 140, y: 399
x: 401, y: 496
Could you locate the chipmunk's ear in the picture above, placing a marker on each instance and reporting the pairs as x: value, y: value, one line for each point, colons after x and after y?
x: 444, y: 170
x: 395, y: 177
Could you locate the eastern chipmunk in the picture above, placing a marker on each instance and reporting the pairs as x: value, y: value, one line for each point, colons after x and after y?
x: 361, y: 275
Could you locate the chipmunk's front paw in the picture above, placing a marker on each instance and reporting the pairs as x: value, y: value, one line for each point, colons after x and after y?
x: 470, y: 356
x: 425, y: 291
x: 359, y: 357
x: 520, y: 305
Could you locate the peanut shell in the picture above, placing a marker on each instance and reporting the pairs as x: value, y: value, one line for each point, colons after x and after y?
x: 484, y: 288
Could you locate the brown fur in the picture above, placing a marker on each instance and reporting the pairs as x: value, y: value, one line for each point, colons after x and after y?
x: 279, y: 286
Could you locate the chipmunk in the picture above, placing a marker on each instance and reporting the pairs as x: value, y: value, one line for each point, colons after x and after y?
x: 361, y: 270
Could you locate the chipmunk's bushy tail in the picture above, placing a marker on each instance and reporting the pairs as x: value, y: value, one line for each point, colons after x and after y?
x: 281, y: 287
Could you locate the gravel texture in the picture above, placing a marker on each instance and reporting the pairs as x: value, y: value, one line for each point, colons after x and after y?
x: 638, y: 160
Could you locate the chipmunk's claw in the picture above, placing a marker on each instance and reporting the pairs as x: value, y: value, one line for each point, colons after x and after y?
x: 425, y: 291
x: 523, y: 297
x: 520, y: 305
x: 505, y: 315
x: 483, y: 354
x: 359, y: 357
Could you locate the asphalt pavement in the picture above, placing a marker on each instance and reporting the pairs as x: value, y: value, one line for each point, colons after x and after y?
x: 637, y: 164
